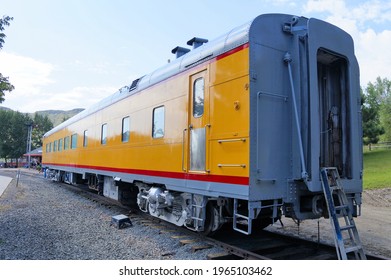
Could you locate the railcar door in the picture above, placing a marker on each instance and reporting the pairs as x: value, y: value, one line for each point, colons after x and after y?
x: 334, y: 105
x: 198, y: 129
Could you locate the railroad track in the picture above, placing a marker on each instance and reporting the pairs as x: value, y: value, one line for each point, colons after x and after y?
x: 263, y: 245
x: 274, y: 246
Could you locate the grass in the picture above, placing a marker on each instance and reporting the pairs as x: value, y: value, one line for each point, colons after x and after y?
x: 377, y: 169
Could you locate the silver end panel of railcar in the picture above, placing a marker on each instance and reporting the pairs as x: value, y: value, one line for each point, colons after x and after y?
x: 304, y: 112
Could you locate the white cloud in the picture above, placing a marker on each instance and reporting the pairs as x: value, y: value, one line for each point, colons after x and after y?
x: 78, y: 97
x: 368, y: 24
x: 376, y: 11
x: 32, y: 80
x: 26, y: 74
x: 280, y: 3
x: 331, y: 6
x: 374, y: 57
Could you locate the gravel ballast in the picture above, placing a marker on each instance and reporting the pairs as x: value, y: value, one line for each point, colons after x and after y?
x: 40, y: 220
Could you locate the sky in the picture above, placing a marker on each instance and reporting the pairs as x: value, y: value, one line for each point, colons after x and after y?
x: 65, y: 54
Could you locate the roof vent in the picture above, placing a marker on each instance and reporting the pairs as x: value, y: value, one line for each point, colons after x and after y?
x: 179, y: 51
x: 134, y: 84
x: 197, y: 42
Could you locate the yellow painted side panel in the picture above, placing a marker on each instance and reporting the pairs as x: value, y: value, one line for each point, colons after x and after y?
x: 230, y: 109
x: 230, y: 67
x: 141, y: 152
x: 229, y: 133
x: 229, y: 119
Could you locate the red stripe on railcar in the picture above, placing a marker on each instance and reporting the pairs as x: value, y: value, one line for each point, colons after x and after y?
x: 236, y: 180
x: 235, y: 50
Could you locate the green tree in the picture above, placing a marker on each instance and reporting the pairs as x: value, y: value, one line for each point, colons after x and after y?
x: 371, y: 103
x: 5, y: 85
x: 386, y: 119
x: 5, y: 127
x: 41, y: 125
x: 13, y: 137
x: 383, y: 91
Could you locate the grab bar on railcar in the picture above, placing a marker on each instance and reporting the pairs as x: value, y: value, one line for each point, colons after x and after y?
x: 207, y: 127
x: 183, y: 149
x: 288, y: 60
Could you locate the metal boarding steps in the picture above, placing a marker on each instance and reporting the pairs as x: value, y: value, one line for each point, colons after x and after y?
x: 243, y: 223
x: 346, y: 236
x: 241, y: 219
x: 198, y: 214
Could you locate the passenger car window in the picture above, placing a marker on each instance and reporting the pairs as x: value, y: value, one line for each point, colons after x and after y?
x: 74, y: 141
x: 158, y: 122
x: 60, y: 144
x: 125, y: 129
x: 103, y: 138
x: 85, y: 138
x: 66, y: 143
x: 198, y: 98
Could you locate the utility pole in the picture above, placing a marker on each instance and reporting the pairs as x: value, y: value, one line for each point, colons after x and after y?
x: 29, y: 132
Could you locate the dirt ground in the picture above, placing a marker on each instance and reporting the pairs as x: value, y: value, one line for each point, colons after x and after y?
x: 374, y: 224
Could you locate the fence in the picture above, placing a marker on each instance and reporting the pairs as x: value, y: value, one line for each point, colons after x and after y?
x: 380, y: 145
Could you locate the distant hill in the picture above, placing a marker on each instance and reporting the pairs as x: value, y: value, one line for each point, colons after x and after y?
x: 5, y: 108
x: 55, y: 116
x: 59, y: 116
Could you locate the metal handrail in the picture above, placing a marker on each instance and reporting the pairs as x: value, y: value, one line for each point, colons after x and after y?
x: 231, y: 140
x: 183, y: 149
x: 288, y: 60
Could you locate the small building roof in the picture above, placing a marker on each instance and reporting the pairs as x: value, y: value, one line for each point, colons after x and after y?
x: 34, y: 153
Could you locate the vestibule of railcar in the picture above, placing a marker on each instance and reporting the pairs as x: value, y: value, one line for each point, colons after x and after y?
x: 335, y: 126
x: 331, y: 113
x: 334, y: 112
x: 334, y: 106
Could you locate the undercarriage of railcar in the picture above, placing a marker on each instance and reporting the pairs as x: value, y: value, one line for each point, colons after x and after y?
x: 199, y: 212
x: 194, y: 211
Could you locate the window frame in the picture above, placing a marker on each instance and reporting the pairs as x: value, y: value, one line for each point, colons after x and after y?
x: 156, y: 134
x: 125, y: 135
x: 66, y: 143
x: 55, y: 145
x: 60, y: 144
x: 73, y: 141
x: 196, y: 94
x: 103, y: 134
x: 85, y: 138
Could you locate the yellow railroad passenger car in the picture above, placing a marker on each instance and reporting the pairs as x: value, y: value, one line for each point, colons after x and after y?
x: 235, y: 130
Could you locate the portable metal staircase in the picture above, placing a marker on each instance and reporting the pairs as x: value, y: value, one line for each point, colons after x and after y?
x: 346, y: 236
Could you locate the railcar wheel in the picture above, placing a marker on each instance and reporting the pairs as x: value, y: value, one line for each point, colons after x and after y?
x: 260, y: 224
x: 211, y: 220
x: 264, y: 221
